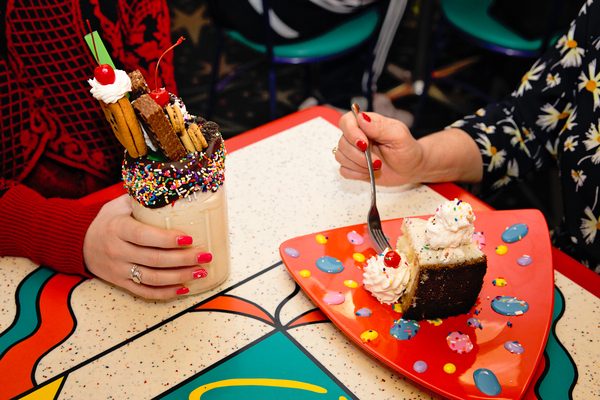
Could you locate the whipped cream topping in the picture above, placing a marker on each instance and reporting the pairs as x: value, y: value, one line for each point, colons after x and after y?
x: 451, y: 226
x: 113, y: 92
x: 386, y: 284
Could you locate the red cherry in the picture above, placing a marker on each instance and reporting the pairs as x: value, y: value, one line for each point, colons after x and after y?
x: 391, y: 259
x: 104, y: 74
x: 160, y: 96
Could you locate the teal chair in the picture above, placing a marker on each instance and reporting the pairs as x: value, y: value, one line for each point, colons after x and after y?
x: 472, y: 18
x: 339, y: 41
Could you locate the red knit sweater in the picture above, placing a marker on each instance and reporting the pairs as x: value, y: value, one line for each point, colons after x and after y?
x: 54, y: 138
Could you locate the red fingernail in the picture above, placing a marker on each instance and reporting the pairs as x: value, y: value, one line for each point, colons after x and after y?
x: 377, y: 164
x: 182, y: 290
x: 200, y: 273
x: 204, y: 258
x: 366, y: 117
x: 362, y: 145
x: 184, y: 240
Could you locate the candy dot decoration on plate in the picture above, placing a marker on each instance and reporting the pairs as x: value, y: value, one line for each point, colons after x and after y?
x: 524, y: 260
x: 321, y: 239
x: 304, y: 273
x: 359, y: 257
x: 350, y: 283
x: 404, y: 329
x: 514, y: 347
x: 355, y: 238
x: 420, y: 366
x: 486, y: 382
x: 330, y: 265
x: 500, y: 282
x: 364, y: 312
x: 334, y: 298
x: 435, y: 322
x: 449, y: 368
x: 459, y: 342
x: 369, y: 336
x: 514, y: 233
x: 292, y: 252
x: 474, y: 322
x: 509, y: 306
x: 501, y: 250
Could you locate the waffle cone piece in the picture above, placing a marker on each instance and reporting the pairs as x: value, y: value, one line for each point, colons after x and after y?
x: 158, y: 127
x: 125, y: 126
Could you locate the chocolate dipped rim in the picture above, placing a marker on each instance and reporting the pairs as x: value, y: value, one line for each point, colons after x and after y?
x: 155, y: 184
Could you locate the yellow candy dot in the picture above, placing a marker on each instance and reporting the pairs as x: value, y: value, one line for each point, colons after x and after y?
x: 397, y: 307
x: 342, y: 398
x: 350, y: 283
x: 304, y: 273
x: 499, y: 282
x: 449, y: 368
x: 321, y: 239
x: 435, y: 322
x: 369, y: 336
x: 501, y: 250
x: 358, y: 257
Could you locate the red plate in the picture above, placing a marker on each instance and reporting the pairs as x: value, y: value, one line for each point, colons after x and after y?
x: 532, y: 283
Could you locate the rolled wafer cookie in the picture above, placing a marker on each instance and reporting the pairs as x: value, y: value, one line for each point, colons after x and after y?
x: 194, y: 131
x: 122, y: 119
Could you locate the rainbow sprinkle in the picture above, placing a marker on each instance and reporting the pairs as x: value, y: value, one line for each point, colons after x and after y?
x: 155, y: 184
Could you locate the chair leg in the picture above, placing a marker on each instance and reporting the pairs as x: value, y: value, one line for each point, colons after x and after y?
x: 214, y: 76
x: 272, y: 90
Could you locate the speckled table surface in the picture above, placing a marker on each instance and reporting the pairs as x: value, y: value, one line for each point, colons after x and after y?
x: 257, y: 335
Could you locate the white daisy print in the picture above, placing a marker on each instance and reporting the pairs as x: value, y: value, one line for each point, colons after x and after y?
x: 549, y: 120
x: 578, y: 177
x: 592, y: 141
x: 570, y: 144
x: 496, y: 157
x: 517, y: 137
x: 480, y: 112
x: 485, y: 128
x: 589, y: 225
x: 457, y: 124
x: 552, y: 80
x: 591, y: 83
x: 568, y: 46
x: 532, y: 75
x: 570, y: 122
x: 512, y: 172
x: 552, y: 147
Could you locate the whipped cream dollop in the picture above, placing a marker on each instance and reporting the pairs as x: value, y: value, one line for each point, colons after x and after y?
x: 111, y: 93
x: 386, y: 284
x: 451, y: 226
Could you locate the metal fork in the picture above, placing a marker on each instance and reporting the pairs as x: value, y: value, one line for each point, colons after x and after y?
x: 373, y: 219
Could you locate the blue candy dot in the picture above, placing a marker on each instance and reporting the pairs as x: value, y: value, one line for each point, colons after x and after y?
x: 510, y: 306
x: 514, y: 233
x: 486, y: 382
x: 330, y: 265
x: 420, y: 366
x: 404, y: 329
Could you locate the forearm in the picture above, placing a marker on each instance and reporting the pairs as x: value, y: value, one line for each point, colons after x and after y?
x: 450, y: 155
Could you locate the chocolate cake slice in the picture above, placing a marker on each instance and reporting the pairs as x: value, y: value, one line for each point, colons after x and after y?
x: 158, y: 127
x: 444, y: 282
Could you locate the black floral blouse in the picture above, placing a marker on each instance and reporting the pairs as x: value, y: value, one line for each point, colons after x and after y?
x: 553, y: 117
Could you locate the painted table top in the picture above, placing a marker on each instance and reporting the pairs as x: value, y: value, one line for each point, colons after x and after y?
x: 257, y: 334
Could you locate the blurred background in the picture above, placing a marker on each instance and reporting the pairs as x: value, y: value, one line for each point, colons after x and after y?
x: 425, y: 46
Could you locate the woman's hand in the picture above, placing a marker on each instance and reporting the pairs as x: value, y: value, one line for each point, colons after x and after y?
x: 115, y: 243
x: 445, y: 156
x: 394, y: 150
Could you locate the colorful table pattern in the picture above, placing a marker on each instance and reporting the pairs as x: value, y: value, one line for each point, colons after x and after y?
x: 256, y: 336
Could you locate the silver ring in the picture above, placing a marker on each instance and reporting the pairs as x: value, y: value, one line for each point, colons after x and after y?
x: 334, y: 150
x: 136, y: 274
